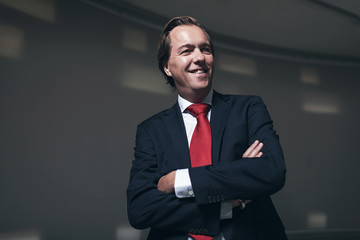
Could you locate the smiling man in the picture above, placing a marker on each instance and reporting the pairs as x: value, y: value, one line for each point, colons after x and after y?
x: 190, y: 63
x: 206, y: 167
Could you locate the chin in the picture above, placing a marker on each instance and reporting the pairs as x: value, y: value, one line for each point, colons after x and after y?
x: 202, y: 87
x: 202, y: 82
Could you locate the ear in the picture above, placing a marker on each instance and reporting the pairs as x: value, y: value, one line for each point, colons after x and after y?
x: 167, y: 71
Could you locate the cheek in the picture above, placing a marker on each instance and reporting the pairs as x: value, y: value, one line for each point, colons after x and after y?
x: 184, y: 63
x: 178, y: 65
x: 210, y: 61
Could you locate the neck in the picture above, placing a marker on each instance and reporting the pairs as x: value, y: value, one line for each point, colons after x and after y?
x: 195, y: 96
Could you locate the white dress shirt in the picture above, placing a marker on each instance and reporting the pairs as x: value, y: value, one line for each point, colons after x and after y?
x: 183, y: 186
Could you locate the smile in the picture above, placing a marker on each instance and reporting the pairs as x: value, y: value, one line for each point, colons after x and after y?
x: 199, y: 71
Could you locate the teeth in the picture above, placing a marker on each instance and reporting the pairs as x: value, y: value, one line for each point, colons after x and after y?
x: 200, y: 71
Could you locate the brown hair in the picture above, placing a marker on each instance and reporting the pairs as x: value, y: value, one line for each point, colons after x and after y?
x: 164, y: 43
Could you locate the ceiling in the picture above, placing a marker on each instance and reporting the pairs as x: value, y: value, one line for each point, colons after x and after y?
x: 324, y: 29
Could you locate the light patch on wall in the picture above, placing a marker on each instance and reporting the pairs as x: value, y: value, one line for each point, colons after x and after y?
x: 321, y: 103
x: 309, y: 76
x: 134, y: 40
x: 236, y: 64
x: 128, y: 233
x: 11, y: 41
x: 23, y: 235
x: 144, y: 78
x: 317, y: 220
x: 43, y: 9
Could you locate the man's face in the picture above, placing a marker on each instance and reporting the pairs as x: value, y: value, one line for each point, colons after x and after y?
x: 191, y: 60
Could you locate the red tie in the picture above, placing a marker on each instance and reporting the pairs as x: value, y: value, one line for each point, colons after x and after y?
x: 200, y: 146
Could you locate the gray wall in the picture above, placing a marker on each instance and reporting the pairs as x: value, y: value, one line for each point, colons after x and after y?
x: 75, y: 87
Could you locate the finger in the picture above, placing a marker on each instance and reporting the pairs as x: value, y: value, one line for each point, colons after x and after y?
x: 251, y: 148
x: 256, y: 150
x: 259, y: 154
x: 259, y: 147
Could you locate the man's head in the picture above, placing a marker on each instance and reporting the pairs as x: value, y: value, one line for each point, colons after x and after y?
x: 185, y: 54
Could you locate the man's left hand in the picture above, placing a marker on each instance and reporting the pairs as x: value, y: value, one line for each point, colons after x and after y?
x: 167, y: 182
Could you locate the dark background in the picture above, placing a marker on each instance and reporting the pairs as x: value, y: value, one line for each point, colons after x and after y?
x: 75, y: 82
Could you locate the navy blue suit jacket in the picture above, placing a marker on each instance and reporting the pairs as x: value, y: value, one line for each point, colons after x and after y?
x: 161, y: 147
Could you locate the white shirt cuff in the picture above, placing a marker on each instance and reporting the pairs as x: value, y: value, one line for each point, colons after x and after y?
x: 183, y: 187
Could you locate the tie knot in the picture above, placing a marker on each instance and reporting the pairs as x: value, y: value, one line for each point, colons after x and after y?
x: 198, y: 108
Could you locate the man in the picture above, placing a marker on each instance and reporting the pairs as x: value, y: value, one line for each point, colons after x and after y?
x: 192, y: 179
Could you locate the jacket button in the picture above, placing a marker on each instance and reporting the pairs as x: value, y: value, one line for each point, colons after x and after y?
x: 218, y: 198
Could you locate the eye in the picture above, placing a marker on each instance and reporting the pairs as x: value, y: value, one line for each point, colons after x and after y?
x: 185, y: 51
x: 206, y: 50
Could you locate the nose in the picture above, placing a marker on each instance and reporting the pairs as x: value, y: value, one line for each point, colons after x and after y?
x: 198, y: 55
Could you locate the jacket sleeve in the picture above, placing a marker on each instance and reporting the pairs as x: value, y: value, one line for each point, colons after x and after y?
x: 149, y: 207
x: 244, y: 178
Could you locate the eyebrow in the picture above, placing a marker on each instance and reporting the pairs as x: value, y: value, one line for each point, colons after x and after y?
x: 193, y: 45
x: 186, y: 46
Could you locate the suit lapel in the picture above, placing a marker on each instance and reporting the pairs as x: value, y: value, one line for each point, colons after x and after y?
x: 175, y: 127
x: 219, y: 113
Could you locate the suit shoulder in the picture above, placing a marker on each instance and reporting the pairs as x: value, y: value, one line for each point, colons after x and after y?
x: 243, y: 98
x: 156, y: 118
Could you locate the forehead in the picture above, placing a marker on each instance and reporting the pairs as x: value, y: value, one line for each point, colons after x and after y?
x: 187, y: 34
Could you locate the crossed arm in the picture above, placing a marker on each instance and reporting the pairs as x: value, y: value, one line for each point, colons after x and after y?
x: 167, y: 182
x: 249, y: 176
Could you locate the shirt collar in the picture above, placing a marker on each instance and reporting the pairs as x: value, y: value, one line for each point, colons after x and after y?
x: 183, y: 103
